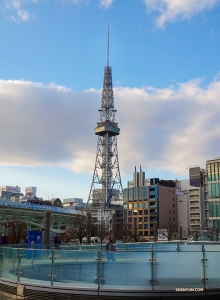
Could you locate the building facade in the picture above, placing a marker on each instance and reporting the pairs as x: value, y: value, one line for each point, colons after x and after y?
x: 212, y: 193
x: 191, y: 206
x: 147, y: 201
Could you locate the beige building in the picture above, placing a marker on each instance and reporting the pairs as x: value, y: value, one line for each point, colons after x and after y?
x: 147, y: 201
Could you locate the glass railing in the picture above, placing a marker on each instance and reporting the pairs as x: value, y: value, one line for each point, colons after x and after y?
x: 158, y: 266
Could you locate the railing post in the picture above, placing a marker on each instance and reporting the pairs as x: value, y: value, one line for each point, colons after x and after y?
x: 155, y: 231
x: 19, y: 266
x: 152, y: 260
x: 99, y: 277
x: 203, y: 259
x: 52, y: 276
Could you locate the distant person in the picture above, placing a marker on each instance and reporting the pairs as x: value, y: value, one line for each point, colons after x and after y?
x: 110, y: 249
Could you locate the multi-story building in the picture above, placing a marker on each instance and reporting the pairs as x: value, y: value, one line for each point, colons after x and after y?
x: 183, y: 208
x: 212, y: 193
x: 191, y: 212
x: 74, y: 203
x: 147, y: 201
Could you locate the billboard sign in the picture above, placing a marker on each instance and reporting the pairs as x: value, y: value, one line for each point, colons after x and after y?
x: 162, y: 235
x: 30, y: 190
x: 195, y: 176
x: 11, y: 189
x: 34, y: 237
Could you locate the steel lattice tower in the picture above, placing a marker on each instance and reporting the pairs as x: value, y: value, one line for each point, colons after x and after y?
x: 106, y: 182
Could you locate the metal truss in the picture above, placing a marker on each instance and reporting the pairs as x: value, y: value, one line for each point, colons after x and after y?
x: 106, y: 183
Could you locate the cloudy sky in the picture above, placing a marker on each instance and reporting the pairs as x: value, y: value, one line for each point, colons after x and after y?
x: 166, y: 76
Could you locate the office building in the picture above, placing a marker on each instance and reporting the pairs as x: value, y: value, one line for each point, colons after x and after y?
x: 212, y: 193
x: 190, y: 201
x: 147, y: 201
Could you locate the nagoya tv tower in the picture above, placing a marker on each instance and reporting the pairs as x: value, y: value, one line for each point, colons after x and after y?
x: 106, y: 183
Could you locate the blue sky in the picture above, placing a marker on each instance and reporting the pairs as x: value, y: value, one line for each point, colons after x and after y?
x: 166, y: 76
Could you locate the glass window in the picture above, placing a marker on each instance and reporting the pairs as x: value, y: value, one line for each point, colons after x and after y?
x: 145, y: 212
x: 213, y: 190
x: 145, y: 192
x: 130, y: 206
x: 140, y: 212
x: 140, y: 205
x: 135, y: 212
x: 208, y: 172
x: 140, y: 192
x: 212, y: 172
x: 140, y: 226
x: 135, y: 205
x: 135, y: 193
x: 216, y: 171
x: 145, y: 219
x: 145, y: 226
x: 217, y: 190
x: 145, y: 204
x: 140, y: 219
x: 125, y: 195
x: 130, y: 194
x: 130, y: 220
x: 129, y: 212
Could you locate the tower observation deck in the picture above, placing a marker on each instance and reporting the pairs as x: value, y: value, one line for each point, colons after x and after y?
x: 106, y: 183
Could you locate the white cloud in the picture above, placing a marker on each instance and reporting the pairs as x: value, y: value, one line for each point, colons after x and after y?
x: 76, y: 2
x: 20, y: 14
x: 168, y: 129
x: 172, y: 10
x: 106, y: 3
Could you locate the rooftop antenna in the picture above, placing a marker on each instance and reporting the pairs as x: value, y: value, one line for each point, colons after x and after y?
x: 108, y: 48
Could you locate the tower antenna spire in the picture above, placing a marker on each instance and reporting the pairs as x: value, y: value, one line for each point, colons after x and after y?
x: 108, y: 48
x: 106, y: 183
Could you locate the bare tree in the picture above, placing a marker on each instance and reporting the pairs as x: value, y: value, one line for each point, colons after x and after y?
x: 76, y: 230
x: 193, y: 234
x: 102, y: 230
x: 126, y: 235
x: 17, y: 229
x: 211, y: 233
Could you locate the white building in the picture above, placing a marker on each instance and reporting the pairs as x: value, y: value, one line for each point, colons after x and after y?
x: 74, y: 203
x: 195, y: 208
